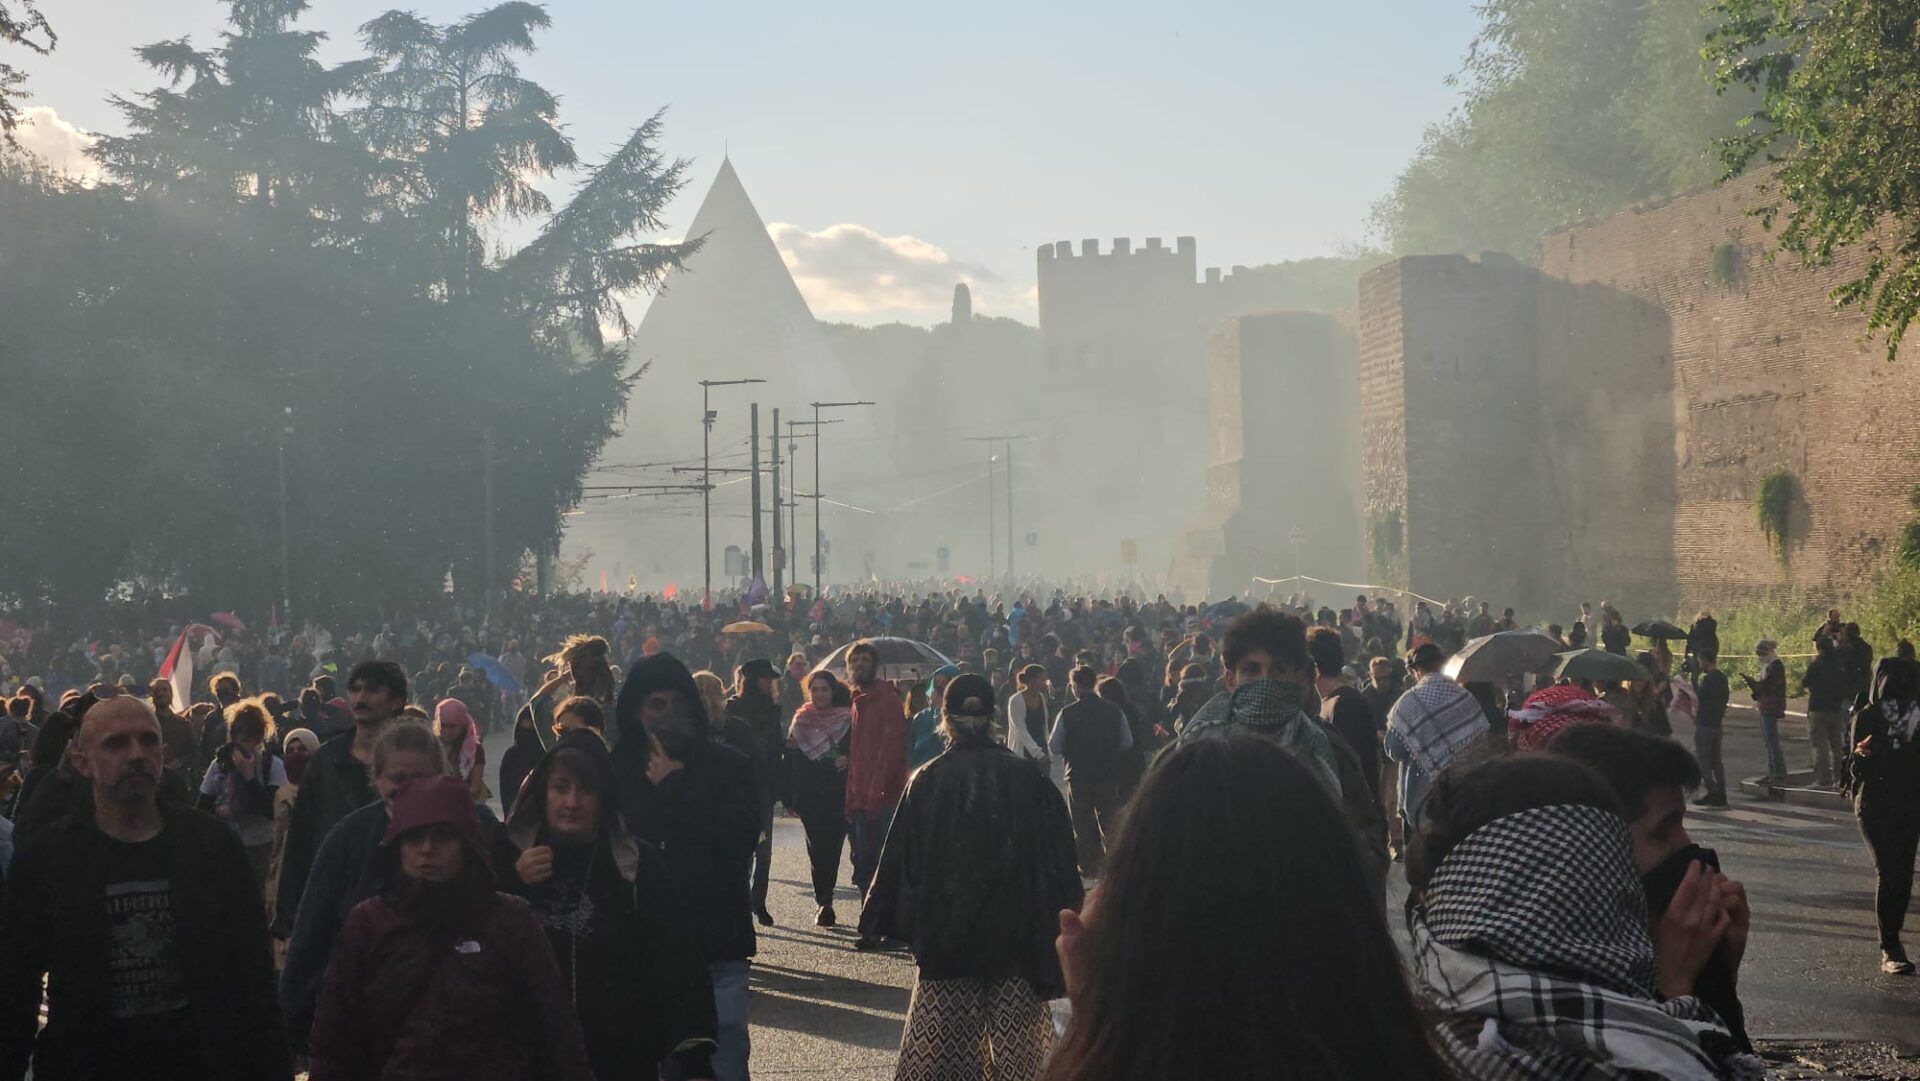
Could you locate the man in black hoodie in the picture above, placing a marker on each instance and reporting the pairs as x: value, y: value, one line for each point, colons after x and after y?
x: 694, y: 798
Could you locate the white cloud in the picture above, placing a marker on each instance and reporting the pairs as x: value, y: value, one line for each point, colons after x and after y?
x: 851, y: 272
x: 55, y: 141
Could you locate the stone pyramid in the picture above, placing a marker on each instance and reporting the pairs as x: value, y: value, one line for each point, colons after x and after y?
x: 733, y: 312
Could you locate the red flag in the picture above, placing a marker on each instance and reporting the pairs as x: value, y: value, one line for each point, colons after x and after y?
x: 672, y: 591
x: 603, y: 583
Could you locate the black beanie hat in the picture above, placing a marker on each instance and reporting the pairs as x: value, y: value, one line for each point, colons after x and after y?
x: 969, y: 695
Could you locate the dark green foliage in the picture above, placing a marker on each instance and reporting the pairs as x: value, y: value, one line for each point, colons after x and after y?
x: 20, y: 24
x: 1572, y: 109
x: 1773, y: 509
x: 257, y: 250
x: 1385, y: 544
x: 1839, y: 86
x: 1725, y: 271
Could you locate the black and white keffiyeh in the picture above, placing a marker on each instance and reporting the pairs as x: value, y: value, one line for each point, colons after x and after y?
x: 1439, y: 722
x: 1532, y: 939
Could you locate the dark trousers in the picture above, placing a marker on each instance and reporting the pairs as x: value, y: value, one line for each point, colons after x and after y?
x: 869, y: 834
x: 826, y: 828
x: 763, y: 857
x: 1096, y: 810
x: 1892, y: 830
x: 1706, y: 749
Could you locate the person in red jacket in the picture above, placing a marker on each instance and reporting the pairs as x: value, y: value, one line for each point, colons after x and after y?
x: 876, y: 759
x: 440, y: 977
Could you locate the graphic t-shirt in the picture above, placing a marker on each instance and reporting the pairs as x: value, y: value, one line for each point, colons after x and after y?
x: 146, y: 992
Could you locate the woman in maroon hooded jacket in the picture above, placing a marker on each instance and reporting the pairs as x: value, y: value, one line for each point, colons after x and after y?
x: 439, y: 976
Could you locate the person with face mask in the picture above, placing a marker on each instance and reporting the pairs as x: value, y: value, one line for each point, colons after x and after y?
x: 605, y: 900
x: 693, y: 797
x: 1652, y: 776
x: 1534, y: 975
x: 439, y: 975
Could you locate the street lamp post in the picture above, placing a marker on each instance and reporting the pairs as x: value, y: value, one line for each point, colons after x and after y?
x: 817, y: 407
x: 706, y: 471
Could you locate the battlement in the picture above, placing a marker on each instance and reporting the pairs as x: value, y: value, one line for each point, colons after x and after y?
x: 1122, y: 248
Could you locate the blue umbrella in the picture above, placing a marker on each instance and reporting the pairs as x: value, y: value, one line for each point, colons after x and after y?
x: 495, y: 671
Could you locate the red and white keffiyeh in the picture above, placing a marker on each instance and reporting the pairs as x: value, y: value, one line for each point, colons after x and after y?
x: 1548, y: 711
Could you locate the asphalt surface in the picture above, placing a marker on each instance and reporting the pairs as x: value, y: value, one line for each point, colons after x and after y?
x: 1811, y: 980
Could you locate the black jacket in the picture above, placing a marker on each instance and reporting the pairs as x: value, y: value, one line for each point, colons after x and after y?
x: 705, y: 820
x: 618, y: 930
x: 752, y: 726
x: 55, y: 923
x: 333, y: 787
x: 976, y: 868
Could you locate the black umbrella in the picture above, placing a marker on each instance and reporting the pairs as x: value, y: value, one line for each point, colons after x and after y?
x: 1659, y: 628
x: 1508, y: 653
x: 1599, y: 666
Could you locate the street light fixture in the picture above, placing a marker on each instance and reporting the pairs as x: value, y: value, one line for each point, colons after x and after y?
x: 706, y: 471
x: 817, y: 407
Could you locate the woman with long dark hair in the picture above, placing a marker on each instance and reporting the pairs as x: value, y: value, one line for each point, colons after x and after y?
x: 1218, y: 948
x: 817, y: 769
x: 1886, y: 795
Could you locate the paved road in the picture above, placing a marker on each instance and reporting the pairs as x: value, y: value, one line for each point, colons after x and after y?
x: 1812, y: 968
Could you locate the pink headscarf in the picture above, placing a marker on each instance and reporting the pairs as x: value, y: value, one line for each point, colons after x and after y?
x: 451, y: 712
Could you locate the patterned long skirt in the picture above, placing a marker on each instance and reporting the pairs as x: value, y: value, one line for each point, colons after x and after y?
x: 963, y: 1030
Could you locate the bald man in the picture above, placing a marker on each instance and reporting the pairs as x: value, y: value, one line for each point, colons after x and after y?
x: 144, y: 920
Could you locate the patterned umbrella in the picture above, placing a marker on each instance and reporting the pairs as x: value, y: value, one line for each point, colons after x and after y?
x: 900, y: 658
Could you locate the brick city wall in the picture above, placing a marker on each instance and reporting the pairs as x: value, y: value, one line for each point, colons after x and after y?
x: 1517, y: 429
x: 1765, y: 376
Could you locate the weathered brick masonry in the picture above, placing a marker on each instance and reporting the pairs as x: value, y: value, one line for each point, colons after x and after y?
x: 1661, y: 368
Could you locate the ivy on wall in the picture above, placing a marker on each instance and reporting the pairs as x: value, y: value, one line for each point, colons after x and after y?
x: 1773, y: 509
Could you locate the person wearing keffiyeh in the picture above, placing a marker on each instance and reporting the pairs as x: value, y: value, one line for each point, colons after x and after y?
x: 1547, y: 711
x: 1266, y: 691
x: 817, y: 767
x: 1432, y: 726
x: 1551, y: 976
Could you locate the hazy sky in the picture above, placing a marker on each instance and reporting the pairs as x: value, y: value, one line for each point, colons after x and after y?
x: 898, y: 146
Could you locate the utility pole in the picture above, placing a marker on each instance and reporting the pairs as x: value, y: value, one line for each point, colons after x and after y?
x: 817, y: 441
x: 706, y: 462
x: 486, y: 512
x: 779, y: 553
x: 990, y: 440
x: 753, y: 442
x: 286, y: 429
x: 1009, y: 510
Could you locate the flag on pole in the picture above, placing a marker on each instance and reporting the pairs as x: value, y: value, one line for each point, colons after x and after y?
x: 672, y: 590
x: 633, y: 584
x: 177, y: 670
x: 603, y: 583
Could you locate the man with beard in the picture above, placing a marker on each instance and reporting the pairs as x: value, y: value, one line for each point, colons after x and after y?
x: 336, y: 781
x: 877, y: 759
x: 145, y: 922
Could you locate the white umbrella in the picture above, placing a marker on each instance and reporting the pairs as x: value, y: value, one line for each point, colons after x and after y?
x: 900, y: 658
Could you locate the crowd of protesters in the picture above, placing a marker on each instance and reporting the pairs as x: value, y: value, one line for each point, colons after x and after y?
x: 294, y: 863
